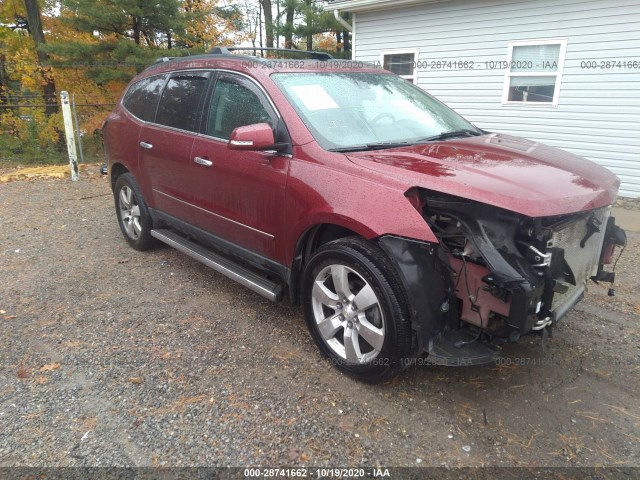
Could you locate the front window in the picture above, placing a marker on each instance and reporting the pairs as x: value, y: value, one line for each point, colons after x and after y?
x: 235, y: 103
x: 368, y: 110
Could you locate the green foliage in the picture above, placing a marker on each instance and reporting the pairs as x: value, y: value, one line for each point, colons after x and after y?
x: 141, y: 20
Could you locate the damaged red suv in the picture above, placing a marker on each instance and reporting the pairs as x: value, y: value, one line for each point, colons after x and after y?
x: 400, y: 227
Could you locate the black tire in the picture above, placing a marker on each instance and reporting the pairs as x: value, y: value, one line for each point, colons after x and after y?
x: 366, y: 269
x: 135, y: 223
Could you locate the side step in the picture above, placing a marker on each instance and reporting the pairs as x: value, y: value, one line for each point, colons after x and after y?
x: 263, y: 286
x: 443, y: 350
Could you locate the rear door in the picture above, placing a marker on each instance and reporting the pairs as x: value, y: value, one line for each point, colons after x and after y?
x: 240, y: 195
x: 165, y: 145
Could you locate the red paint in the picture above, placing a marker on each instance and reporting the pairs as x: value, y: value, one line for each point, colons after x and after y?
x: 279, y: 198
x: 252, y: 137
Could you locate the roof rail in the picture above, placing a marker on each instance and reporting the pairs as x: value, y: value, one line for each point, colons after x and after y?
x: 163, y: 59
x: 312, y: 55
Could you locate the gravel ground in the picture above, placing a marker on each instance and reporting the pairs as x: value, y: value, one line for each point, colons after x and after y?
x: 112, y: 357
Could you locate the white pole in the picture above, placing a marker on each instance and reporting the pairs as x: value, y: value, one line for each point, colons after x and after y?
x: 68, y: 130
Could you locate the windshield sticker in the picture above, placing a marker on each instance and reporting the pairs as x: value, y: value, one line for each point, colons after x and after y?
x: 314, y: 97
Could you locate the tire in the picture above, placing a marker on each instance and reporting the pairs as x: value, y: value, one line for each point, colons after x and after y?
x: 356, y: 310
x: 133, y: 214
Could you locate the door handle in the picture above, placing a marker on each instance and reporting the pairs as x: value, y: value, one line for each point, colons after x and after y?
x: 146, y: 145
x: 202, y: 161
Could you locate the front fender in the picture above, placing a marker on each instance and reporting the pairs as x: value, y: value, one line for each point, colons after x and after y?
x: 360, y: 205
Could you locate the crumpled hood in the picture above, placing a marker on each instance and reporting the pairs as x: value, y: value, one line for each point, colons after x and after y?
x: 509, y: 172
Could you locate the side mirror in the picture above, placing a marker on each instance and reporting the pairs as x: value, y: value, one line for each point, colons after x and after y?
x: 258, y: 136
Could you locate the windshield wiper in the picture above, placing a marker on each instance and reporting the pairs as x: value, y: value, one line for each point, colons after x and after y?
x: 370, y: 146
x: 456, y: 133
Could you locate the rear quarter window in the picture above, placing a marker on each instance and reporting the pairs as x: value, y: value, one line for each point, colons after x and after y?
x: 142, y: 97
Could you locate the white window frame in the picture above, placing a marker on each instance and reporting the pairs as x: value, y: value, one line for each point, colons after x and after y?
x: 414, y: 51
x: 557, y: 74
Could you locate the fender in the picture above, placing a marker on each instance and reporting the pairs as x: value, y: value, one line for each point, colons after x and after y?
x: 366, y: 207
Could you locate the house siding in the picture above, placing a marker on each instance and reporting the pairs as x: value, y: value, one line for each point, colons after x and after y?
x: 598, y: 112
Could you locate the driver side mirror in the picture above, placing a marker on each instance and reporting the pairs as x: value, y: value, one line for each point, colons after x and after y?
x: 258, y: 136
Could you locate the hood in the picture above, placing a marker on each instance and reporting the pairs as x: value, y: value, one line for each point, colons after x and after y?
x: 501, y: 170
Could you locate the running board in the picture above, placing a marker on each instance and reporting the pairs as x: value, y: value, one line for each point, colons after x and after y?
x: 261, y: 285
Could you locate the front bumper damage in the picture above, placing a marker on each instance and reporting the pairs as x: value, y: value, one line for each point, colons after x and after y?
x: 496, y: 275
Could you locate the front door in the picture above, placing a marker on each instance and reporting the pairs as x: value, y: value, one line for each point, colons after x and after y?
x: 239, y: 195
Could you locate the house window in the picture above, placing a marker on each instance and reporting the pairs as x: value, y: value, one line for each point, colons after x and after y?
x: 401, y: 62
x: 534, y: 72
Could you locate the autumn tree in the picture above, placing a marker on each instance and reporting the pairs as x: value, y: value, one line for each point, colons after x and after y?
x: 209, y: 24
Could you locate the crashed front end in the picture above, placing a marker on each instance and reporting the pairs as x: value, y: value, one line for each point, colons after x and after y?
x: 502, y: 274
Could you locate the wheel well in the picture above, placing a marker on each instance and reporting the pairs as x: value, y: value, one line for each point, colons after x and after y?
x: 312, y: 239
x: 116, y: 170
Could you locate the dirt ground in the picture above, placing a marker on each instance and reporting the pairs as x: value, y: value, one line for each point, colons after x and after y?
x: 110, y: 356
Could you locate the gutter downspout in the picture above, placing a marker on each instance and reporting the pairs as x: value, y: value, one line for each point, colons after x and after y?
x: 342, y: 21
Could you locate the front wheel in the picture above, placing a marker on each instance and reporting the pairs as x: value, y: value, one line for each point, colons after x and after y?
x: 133, y: 215
x: 356, y: 310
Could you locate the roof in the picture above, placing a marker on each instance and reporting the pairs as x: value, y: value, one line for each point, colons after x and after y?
x: 256, y: 66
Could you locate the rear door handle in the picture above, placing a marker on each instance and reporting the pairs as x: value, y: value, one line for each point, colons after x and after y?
x: 202, y: 161
x: 146, y: 145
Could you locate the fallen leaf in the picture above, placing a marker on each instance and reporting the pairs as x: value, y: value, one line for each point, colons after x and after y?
x: 50, y: 367
x: 8, y: 317
x: 136, y: 380
x: 294, y: 453
x: 40, y: 379
x: 304, y: 457
x: 24, y: 372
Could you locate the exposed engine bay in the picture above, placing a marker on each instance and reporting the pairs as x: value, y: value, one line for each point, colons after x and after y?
x: 510, y: 274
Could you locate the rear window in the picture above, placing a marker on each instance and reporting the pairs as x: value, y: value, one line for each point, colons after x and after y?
x: 142, y: 97
x: 180, y: 103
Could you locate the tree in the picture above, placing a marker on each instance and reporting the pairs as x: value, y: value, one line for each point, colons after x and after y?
x: 268, y: 21
x: 144, y: 22
x: 34, y: 27
x: 305, y: 20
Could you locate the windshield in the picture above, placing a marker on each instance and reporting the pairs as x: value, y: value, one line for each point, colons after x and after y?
x: 352, y: 111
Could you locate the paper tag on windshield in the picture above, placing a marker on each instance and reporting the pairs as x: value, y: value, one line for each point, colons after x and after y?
x: 314, y: 97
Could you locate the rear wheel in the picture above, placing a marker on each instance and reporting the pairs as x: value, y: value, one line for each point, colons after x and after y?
x: 133, y: 214
x: 355, y: 309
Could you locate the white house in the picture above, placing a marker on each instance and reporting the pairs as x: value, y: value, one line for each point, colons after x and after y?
x: 564, y: 73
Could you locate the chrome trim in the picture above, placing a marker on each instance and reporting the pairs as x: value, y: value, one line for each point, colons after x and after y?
x: 241, y: 143
x: 202, y: 161
x: 217, y: 263
x: 214, y: 214
x: 146, y: 145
